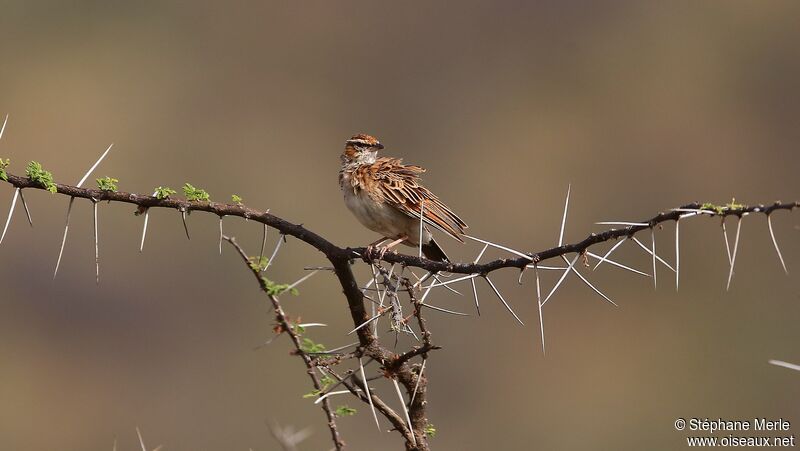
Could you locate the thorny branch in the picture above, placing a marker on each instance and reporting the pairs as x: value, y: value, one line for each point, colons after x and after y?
x: 412, y: 423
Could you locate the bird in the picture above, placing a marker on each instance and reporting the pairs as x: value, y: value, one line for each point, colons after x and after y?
x: 387, y: 197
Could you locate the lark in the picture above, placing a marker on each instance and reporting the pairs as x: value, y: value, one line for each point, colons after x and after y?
x: 386, y: 196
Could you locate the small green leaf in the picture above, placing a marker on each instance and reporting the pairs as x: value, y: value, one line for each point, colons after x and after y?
x: 430, y: 430
x: 37, y: 174
x: 195, y: 194
x: 236, y: 199
x: 312, y: 394
x: 309, y: 346
x: 3, y: 166
x: 107, y: 184
x: 164, y: 192
x: 345, y: 411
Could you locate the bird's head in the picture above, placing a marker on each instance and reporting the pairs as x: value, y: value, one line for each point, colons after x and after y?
x: 361, y: 149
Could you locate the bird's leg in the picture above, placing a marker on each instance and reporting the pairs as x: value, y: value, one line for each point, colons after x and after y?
x: 391, y: 245
x: 371, y: 247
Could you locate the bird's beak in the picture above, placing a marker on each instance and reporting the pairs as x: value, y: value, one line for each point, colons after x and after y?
x: 379, y: 146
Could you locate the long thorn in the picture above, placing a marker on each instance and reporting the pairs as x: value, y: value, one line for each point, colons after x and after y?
x: 405, y: 411
x: 302, y: 279
x: 185, y: 226
x: 64, y: 239
x: 561, y: 279
x: 586, y: 281
x: 499, y: 246
x: 96, y: 244
x: 775, y: 242
x: 367, y: 321
x: 497, y: 292
x: 791, y: 366
x: 3, y: 128
x: 727, y: 244
x: 539, y: 305
x: 220, y: 235
x: 141, y: 441
x: 677, y: 253
x: 10, y: 213
x: 89, y: 172
x: 475, y: 293
x: 444, y: 310
x: 655, y: 275
x: 25, y: 206
x: 613, y: 248
x: 419, y: 378
x: 735, y: 248
x: 564, y: 218
x: 421, y: 224
x: 369, y: 394
x: 646, y: 249
x: 263, y: 243
x: 144, y: 228
x: 274, y: 252
x: 618, y: 265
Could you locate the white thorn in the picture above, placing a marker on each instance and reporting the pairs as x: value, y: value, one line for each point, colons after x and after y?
x: 96, y: 244
x: 302, y: 279
x: 480, y: 254
x: 331, y: 393
x: 442, y: 284
x: 419, y: 378
x: 144, y: 228
x: 564, y: 218
x: 141, y: 441
x: 312, y: 325
x: 369, y: 394
x: 220, y: 235
x: 646, y: 249
x: 507, y: 249
x: 366, y: 322
x: 421, y: 223
x: 275, y: 252
x: 655, y: 275
x: 405, y: 411
x: 444, y: 310
x: 561, y: 279
x: 727, y: 244
x: 25, y: 206
x: 775, y: 242
x: 3, y: 128
x: 677, y: 253
x: 185, y: 226
x: 497, y: 292
x: 89, y: 172
x: 475, y: 292
x: 632, y: 224
x: 10, y: 213
x: 613, y: 248
x: 64, y: 239
x: 263, y: 242
x: 791, y: 366
x: 618, y: 265
x: 586, y: 281
x: 539, y: 305
x: 735, y: 248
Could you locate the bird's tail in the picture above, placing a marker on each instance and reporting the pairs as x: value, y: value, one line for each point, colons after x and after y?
x: 432, y: 251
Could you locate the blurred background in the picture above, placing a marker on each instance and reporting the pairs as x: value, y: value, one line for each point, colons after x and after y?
x: 641, y: 106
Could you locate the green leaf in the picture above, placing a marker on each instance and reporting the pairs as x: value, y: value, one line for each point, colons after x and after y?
x: 345, y: 411
x: 44, y: 178
x: 236, y: 199
x: 195, y: 194
x: 309, y: 346
x: 107, y: 184
x: 164, y: 192
x: 3, y: 166
x: 430, y: 431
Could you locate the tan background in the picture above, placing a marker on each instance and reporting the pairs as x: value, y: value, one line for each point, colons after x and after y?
x: 641, y: 106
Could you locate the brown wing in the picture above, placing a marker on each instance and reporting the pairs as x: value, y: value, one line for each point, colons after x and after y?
x: 399, y: 185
